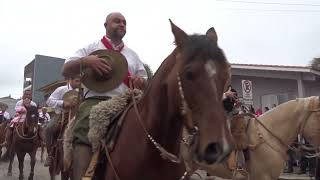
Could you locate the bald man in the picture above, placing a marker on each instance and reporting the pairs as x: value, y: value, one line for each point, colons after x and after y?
x: 115, y: 26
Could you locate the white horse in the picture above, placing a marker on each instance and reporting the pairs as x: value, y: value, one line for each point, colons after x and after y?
x: 271, y: 137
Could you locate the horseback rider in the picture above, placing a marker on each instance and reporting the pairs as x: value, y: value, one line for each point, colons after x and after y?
x: 20, y: 108
x: 44, y: 116
x: 115, y: 26
x: 230, y: 100
x: 4, y: 115
x: 233, y: 108
x: 27, y: 96
x: 56, y: 102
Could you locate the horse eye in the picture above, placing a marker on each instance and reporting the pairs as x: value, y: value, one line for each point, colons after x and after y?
x: 189, y: 75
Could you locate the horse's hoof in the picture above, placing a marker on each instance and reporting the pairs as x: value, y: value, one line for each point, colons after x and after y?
x: 30, y: 176
x: 9, y: 174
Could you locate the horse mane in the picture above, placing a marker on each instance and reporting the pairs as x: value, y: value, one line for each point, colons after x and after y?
x: 196, y: 45
x: 162, y: 71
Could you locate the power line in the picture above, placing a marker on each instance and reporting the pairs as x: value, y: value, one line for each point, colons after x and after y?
x: 275, y: 10
x: 270, y: 3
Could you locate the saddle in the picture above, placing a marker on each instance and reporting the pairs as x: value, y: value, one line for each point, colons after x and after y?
x: 106, y: 120
x: 237, y: 159
x: 99, y: 158
x: 239, y: 125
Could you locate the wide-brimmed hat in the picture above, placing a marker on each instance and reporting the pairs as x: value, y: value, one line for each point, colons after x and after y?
x: 101, y: 84
x: 71, y: 96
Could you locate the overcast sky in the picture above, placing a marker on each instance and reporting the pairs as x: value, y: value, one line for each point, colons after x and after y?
x: 281, y: 32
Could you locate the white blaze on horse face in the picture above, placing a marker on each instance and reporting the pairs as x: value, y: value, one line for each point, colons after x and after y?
x: 225, y: 143
x: 211, y: 70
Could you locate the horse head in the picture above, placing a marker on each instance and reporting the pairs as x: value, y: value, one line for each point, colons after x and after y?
x: 310, y: 127
x: 32, y: 119
x: 195, y: 85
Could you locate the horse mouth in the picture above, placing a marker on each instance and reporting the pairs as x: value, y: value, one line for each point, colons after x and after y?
x: 213, y: 154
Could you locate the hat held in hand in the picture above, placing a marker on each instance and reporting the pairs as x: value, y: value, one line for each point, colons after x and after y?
x: 71, y: 96
x: 119, y: 65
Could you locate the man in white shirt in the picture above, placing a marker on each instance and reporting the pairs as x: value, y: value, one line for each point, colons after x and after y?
x: 4, y: 115
x: 44, y: 116
x: 56, y: 102
x: 115, y: 26
x: 27, y: 96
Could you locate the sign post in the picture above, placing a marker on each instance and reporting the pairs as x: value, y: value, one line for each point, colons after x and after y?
x: 247, y: 92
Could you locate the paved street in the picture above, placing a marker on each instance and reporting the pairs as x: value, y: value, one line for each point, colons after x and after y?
x: 40, y: 173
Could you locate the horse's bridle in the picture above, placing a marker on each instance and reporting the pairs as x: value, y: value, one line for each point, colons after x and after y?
x: 304, y: 122
x: 23, y: 136
x: 192, y: 129
x: 302, y: 127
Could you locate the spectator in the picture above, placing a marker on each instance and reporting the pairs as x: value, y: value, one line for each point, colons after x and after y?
x: 258, y: 112
x: 252, y: 110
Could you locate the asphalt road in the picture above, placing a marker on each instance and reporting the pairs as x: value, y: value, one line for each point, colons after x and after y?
x: 40, y: 172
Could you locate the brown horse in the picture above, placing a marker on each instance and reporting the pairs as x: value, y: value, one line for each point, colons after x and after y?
x: 56, y: 166
x: 185, y: 92
x: 26, y: 139
x: 271, y: 138
x: 43, y: 125
x: 3, y: 127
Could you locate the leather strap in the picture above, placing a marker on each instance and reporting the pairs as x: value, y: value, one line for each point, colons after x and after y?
x: 92, y: 166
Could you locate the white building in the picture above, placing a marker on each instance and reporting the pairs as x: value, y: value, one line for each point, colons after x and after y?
x: 10, y: 103
x: 272, y: 84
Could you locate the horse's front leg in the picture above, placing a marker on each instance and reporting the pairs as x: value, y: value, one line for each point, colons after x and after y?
x: 42, y: 153
x: 20, y: 156
x: 32, y: 164
x: 65, y: 175
x: 11, y: 157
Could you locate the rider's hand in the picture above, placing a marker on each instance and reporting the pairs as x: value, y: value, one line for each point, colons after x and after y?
x: 230, y: 94
x: 138, y: 82
x: 99, y: 65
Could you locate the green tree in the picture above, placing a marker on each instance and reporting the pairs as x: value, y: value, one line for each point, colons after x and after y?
x: 315, y: 64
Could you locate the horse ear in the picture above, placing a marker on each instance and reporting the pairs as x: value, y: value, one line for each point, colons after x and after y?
x: 179, y: 35
x: 212, y: 35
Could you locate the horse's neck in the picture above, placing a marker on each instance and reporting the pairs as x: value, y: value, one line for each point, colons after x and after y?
x: 160, y: 112
x: 285, y: 120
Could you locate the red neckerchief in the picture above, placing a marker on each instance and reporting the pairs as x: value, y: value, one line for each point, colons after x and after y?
x: 108, y: 45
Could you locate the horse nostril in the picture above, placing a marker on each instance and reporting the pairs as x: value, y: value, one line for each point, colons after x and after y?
x: 212, y: 152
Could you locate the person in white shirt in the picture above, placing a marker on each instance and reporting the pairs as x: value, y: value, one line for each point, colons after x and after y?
x: 56, y: 102
x: 27, y: 96
x: 115, y: 26
x: 4, y: 115
x: 44, y: 116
